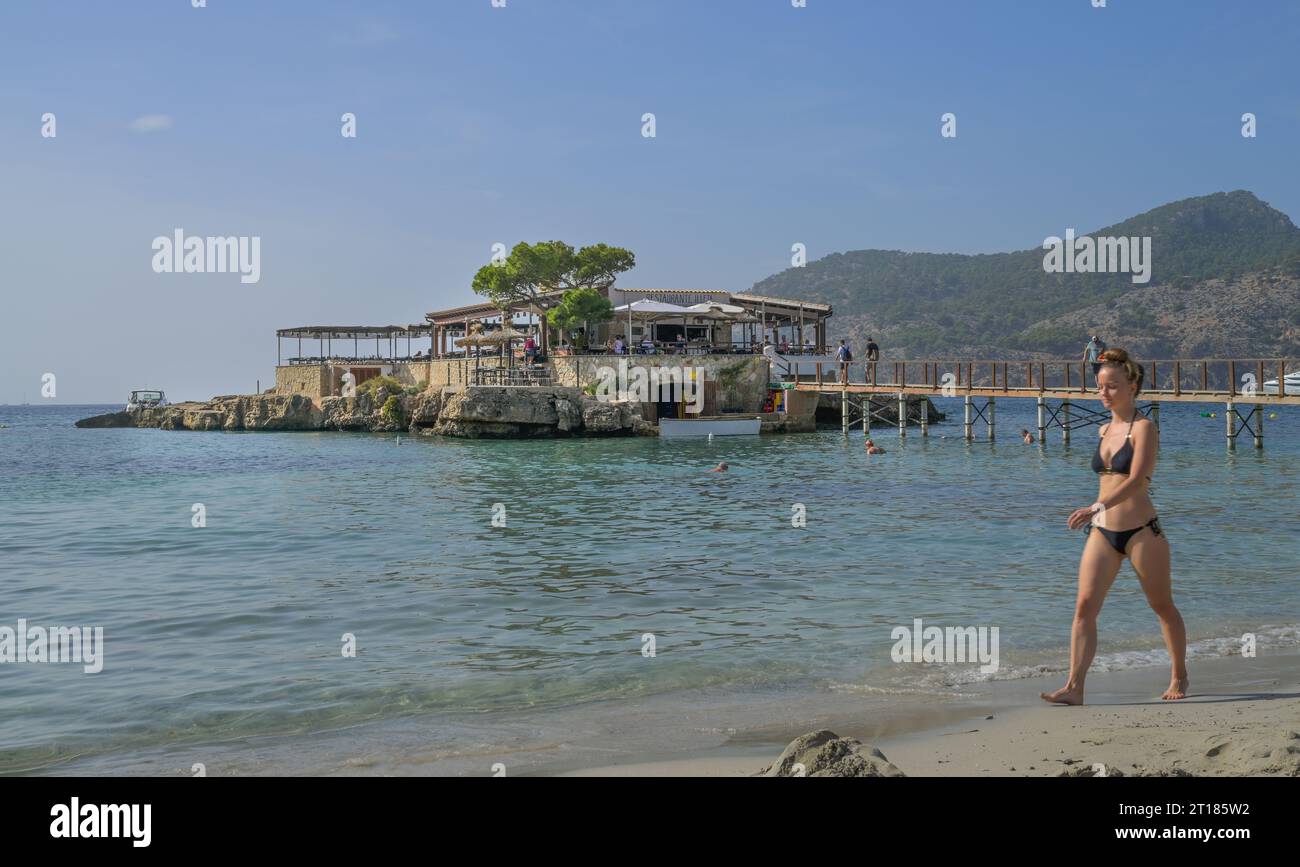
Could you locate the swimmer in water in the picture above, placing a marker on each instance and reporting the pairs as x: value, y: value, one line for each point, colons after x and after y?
x: 720, y: 468
x: 1027, y: 437
x: 873, y: 449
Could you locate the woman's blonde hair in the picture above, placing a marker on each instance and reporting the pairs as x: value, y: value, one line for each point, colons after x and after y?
x: 1120, y: 358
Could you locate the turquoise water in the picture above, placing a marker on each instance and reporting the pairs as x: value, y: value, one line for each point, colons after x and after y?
x: 233, y: 631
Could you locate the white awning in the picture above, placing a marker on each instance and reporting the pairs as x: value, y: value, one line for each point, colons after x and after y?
x: 724, y: 312
x: 646, y: 307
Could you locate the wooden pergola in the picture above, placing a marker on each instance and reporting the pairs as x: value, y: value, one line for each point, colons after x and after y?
x: 454, y: 322
x: 798, y: 316
x: 325, y: 335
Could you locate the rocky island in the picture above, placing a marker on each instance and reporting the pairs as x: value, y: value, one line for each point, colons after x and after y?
x: 500, y: 412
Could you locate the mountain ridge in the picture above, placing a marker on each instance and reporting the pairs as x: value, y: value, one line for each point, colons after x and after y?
x: 1209, y: 254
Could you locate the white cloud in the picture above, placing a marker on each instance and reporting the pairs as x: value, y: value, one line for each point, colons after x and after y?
x: 151, y: 123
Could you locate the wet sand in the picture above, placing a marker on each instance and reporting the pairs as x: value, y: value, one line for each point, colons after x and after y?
x: 1241, y: 718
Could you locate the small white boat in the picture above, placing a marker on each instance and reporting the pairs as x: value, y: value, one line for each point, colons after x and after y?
x: 718, y: 425
x: 1291, y: 382
x: 144, y: 398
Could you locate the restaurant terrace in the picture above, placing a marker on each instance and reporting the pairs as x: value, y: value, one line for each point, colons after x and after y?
x: 480, y: 344
x: 699, y: 321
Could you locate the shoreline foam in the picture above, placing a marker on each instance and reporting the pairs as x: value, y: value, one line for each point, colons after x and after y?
x: 1242, y: 717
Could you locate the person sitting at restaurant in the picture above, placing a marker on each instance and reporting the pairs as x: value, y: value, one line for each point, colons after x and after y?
x: 619, y: 346
x: 680, y: 342
x: 647, y: 345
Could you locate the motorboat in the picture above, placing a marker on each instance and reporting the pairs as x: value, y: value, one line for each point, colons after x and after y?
x: 144, y: 398
x: 716, y: 425
x: 1290, y: 382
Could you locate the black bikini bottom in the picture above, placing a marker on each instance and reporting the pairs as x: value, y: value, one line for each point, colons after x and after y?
x: 1118, y: 539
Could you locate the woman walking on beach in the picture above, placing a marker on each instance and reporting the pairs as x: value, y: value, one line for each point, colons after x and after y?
x: 1122, y: 523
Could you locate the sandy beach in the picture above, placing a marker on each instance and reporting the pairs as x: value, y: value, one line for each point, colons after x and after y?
x: 1242, y: 718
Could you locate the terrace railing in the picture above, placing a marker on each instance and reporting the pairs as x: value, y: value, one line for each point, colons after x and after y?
x: 1209, y: 377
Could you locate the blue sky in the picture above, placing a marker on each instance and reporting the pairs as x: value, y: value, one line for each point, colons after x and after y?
x: 478, y: 125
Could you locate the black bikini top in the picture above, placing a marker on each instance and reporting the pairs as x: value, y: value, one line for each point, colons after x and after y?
x: 1122, y: 460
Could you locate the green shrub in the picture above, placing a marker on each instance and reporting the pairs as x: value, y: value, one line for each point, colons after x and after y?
x: 388, y: 383
x: 392, y: 410
x: 728, y: 376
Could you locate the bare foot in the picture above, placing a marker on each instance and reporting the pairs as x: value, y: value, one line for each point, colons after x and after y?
x: 1064, y: 695
x: 1177, y: 689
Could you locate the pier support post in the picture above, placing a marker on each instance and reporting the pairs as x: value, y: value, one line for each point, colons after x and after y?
x: 925, y: 416
x: 992, y: 407
x: 902, y: 415
x: 966, y: 424
x: 844, y: 411
x: 1065, y: 423
x: 866, y: 415
x: 1230, y: 417
x: 1259, y: 425
x: 1042, y: 420
x: 1154, y: 415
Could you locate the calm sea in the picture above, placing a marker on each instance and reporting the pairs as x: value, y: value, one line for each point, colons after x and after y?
x: 225, y: 641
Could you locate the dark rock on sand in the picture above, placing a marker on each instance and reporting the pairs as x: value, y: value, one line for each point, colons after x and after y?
x: 825, y: 754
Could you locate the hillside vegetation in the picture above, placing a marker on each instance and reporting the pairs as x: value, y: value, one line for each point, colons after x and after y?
x: 1225, y: 280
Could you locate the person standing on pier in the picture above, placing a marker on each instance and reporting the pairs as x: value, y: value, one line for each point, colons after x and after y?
x: 1092, y: 353
x: 843, y: 356
x: 1124, y: 461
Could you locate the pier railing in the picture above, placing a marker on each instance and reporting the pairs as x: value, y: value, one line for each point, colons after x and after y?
x: 1217, y: 378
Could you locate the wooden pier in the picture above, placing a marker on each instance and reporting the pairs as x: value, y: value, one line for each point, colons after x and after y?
x: 1245, y: 387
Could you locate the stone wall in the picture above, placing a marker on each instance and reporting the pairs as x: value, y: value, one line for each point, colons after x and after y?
x: 412, y: 373
x: 742, y: 379
x: 319, y: 381
x: 311, y: 380
x: 449, y: 371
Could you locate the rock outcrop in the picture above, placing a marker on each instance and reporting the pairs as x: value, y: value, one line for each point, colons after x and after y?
x: 825, y: 754
x: 425, y: 409
x: 504, y: 412
x: 480, y: 412
x: 112, y: 419
x: 230, y: 412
